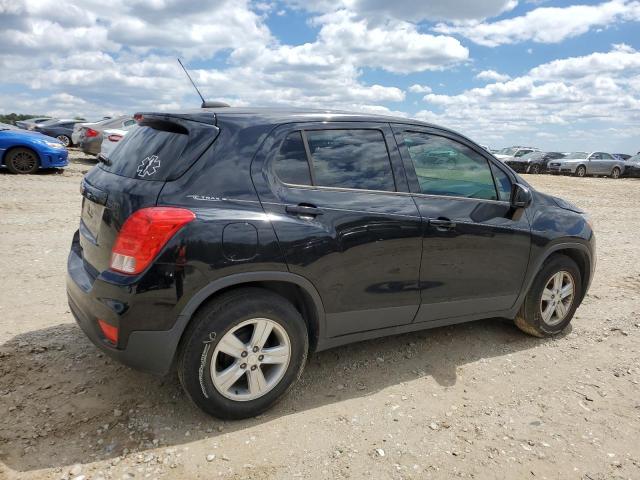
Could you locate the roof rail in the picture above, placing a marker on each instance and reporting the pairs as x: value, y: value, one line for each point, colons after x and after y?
x: 213, y: 104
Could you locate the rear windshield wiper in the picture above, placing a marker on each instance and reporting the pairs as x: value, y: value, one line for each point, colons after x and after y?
x: 104, y: 159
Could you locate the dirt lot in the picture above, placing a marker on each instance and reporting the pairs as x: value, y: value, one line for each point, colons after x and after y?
x: 478, y: 400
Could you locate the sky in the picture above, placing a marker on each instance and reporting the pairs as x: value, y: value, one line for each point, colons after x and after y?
x: 556, y: 75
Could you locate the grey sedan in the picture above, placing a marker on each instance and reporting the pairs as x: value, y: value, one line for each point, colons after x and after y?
x: 582, y: 164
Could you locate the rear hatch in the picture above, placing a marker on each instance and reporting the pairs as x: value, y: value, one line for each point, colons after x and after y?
x: 160, y: 149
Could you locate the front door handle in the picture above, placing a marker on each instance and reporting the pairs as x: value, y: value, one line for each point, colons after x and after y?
x: 442, y: 223
x: 303, y: 210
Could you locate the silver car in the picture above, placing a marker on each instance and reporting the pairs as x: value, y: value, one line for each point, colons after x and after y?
x: 582, y: 164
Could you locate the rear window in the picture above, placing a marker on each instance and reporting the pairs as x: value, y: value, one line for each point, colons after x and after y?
x: 160, y: 150
x: 351, y: 159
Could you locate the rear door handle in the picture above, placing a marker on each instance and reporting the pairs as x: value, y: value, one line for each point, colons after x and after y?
x: 303, y: 210
x: 442, y: 223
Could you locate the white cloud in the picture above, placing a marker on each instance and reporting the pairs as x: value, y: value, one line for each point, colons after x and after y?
x: 417, y: 88
x: 589, y: 94
x: 394, y: 46
x: 411, y: 10
x: 492, y: 75
x: 546, y: 24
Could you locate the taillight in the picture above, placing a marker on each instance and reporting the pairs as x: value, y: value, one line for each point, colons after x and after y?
x: 114, y: 138
x: 144, y: 234
x: 109, y: 331
x: 91, y: 133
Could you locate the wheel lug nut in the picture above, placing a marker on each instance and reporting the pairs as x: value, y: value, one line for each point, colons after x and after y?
x: 261, y: 357
x: 255, y: 349
x: 253, y: 367
x: 243, y: 366
x: 243, y: 354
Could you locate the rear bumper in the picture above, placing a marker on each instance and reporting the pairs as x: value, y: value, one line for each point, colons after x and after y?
x: 91, y: 299
x: 91, y: 145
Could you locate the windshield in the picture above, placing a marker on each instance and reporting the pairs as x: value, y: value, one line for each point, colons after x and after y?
x: 580, y: 155
x: 507, y: 151
x: 635, y: 158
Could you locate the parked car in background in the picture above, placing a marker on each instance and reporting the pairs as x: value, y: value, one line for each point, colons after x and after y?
x: 112, y: 138
x: 91, y: 135
x: 533, y: 162
x: 233, y: 243
x: 75, y: 136
x: 621, y: 156
x: 582, y: 164
x: 22, y: 151
x: 31, y: 123
x: 60, y: 129
x: 632, y: 166
x: 513, y: 152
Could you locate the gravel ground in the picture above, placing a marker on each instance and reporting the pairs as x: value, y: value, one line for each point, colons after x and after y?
x: 478, y: 400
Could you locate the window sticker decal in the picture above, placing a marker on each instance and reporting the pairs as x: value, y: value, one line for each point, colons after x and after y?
x: 148, y: 166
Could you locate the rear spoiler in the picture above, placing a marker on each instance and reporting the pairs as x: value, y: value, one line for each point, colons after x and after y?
x: 198, y: 116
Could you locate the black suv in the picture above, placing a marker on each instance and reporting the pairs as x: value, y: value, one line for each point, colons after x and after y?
x: 230, y: 243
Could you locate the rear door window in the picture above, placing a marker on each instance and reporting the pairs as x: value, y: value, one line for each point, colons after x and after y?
x: 351, y: 158
x: 160, y: 150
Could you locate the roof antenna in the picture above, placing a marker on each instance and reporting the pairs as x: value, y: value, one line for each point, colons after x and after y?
x: 205, y: 104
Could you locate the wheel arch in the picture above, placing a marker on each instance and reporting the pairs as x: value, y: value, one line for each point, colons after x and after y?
x: 578, y: 252
x: 296, y: 289
x: 13, y: 147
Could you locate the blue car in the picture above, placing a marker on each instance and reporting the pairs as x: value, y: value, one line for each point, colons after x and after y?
x: 22, y: 151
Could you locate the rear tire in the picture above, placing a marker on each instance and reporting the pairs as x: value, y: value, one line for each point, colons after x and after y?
x: 581, y: 171
x: 615, y: 173
x: 66, y: 141
x: 535, y: 169
x: 553, y: 298
x: 22, y: 161
x: 225, y: 370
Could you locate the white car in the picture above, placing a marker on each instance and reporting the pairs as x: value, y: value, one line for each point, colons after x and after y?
x: 112, y: 137
x: 582, y: 164
x: 510, y: 153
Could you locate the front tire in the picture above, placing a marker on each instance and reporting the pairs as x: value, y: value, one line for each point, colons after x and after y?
x: 553, y: 298
x: 22, y: 161
x: 242, y: 353
x: 581, y: 171
x: 535, y: 169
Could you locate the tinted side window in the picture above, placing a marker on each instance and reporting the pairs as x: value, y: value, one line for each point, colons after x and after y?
x: 606, y: 156
x: 446, y: 167
x: 291, y: 164
x: 351, y: 159
x: 503, y: 183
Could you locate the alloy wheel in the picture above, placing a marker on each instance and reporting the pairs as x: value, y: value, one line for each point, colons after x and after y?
x: 615, y: 173
x: 250, y: 359
x: 64, y: 139
x: 557, y: 297
x: 24, y: 162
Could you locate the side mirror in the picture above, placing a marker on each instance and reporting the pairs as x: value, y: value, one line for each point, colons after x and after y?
x: 520, y: 196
